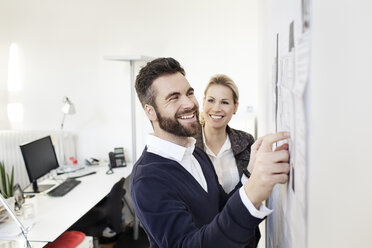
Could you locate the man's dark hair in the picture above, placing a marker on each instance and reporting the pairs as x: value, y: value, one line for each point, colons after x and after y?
x: 153, y: 70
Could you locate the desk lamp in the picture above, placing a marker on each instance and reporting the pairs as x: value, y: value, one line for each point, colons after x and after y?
x: 68, y: 108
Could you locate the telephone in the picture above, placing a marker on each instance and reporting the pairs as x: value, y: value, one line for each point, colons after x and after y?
x: 117, y: 158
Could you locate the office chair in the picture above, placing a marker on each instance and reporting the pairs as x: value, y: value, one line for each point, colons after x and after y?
x: 106, y: 213
x: 129, y: 205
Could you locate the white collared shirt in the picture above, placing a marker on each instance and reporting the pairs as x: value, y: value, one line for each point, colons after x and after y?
x: 183, y: 155
x: 225, y: 165
x: 180, y: 154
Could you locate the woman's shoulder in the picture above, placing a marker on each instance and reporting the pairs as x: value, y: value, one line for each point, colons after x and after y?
x: 239, y: 135
x: 199, y: 138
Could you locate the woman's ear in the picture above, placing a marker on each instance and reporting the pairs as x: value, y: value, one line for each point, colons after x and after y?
x: 236, y: 107
x: 150, y: 112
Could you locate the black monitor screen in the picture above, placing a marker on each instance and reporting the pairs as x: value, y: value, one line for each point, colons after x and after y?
x: 39, y: 157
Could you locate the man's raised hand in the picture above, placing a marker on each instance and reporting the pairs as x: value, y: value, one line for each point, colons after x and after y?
x: 271, y: 167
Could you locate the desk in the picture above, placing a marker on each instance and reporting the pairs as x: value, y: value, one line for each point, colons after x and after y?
x: 21, y: 244
x: 54, y: 215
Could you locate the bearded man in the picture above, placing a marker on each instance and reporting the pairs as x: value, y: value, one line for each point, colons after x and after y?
x: 174, y: 187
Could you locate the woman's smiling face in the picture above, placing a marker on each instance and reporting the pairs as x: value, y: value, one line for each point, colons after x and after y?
x: 218, y: 106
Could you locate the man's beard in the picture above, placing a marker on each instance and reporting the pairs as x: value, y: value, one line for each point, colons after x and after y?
x: 172, y: 125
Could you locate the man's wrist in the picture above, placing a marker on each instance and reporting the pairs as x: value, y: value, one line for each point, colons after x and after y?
x: 256, y: 202
x: 258, y: 212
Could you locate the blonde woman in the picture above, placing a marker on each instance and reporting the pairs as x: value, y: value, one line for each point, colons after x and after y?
x: 229, y: 149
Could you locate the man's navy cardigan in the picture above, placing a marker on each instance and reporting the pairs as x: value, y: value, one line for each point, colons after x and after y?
x: 176, y: 211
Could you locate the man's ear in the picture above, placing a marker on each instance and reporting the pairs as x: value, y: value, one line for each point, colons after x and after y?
x: 150, y: 112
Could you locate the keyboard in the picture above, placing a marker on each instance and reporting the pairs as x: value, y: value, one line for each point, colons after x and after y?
x: 64, y: 187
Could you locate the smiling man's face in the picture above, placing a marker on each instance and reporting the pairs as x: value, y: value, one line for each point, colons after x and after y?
x: 176, y: 106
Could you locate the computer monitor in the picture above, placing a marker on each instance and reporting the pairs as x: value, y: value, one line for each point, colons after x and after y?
x: 40, y: 158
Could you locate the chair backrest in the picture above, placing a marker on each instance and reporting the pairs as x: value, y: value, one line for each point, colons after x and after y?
x: 113, y: 206
x: 106, y: 213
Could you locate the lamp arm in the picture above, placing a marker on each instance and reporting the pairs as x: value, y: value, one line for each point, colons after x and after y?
x: 63, y: 121
x: 62, y: 149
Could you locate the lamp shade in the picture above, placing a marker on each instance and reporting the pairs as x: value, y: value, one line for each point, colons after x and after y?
x: 68, y: 107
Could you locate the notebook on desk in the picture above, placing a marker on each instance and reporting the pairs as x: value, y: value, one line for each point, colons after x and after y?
x: 81, y: 173
x: 69, y: 168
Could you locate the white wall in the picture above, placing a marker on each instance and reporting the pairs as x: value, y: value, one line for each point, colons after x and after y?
x: 62, y: 44
x: 340, y: 182
x: 339, y: 166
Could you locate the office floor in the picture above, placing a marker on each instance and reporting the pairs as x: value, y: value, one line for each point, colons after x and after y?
x: 125, y: 239
x: 109, y: 245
